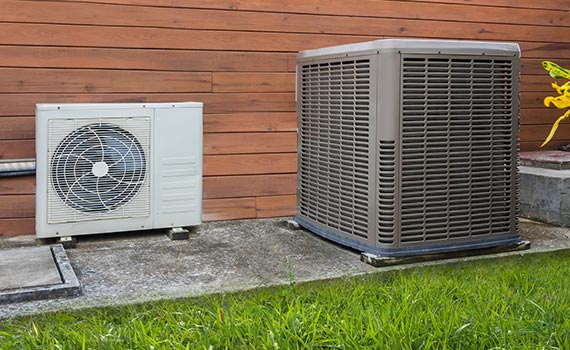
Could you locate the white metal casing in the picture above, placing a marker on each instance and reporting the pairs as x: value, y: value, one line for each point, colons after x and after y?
x: 173, y: 161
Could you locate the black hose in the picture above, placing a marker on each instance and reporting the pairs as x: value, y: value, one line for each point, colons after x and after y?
x: 17, y: 173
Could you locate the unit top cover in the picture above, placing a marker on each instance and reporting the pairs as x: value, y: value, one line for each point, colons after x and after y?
x: 387, y: 46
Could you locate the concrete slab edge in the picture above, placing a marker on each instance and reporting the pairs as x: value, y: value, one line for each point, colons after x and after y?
x: 69, y: 288
x: 66, y: 270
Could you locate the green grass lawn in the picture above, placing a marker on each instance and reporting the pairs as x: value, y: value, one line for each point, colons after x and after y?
x: 520, y: 302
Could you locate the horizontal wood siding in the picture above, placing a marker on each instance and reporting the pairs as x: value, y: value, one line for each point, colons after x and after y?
x: 238, y: 57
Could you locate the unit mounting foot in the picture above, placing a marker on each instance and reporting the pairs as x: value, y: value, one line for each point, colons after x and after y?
x: 67, y: 242
x: 178, y: 233
x: 292, y: 224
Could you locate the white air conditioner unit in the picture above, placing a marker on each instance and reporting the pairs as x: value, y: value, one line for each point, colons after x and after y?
x: 409, y: 147
x: 117, y: 167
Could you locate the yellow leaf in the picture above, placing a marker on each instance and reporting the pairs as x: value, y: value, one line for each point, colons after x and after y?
x: 555, y: 127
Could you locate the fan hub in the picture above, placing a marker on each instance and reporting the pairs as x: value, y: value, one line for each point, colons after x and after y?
x: 100, y: 169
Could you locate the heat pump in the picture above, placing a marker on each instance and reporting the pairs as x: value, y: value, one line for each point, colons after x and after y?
x: 117, y: 167
x: 409, y: 147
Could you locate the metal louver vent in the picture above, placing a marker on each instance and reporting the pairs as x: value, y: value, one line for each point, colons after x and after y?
x: 457, y: 158
x: 334, y: 136
x: 517, y: 189
x: 386, y: 191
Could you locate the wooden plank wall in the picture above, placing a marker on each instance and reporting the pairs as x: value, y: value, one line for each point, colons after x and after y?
x: 238, y: 57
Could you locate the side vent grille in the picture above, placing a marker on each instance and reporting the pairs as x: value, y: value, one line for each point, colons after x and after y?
x: 457, y: 147
x: 386, y: 191
x: 334, y: 134
x: 517, y: 191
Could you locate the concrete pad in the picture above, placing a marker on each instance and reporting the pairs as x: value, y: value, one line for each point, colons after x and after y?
x: 125, y: 268
x: 33, y: 273
x: 544, y: 183
x: 27, y: 267
x: 544, y: 195
x: 557, y: 160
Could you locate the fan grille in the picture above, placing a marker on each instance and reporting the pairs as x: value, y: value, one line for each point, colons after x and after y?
x: 97, y: 168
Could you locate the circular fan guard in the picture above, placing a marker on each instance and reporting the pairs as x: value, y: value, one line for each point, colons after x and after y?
x: 98, y: 168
